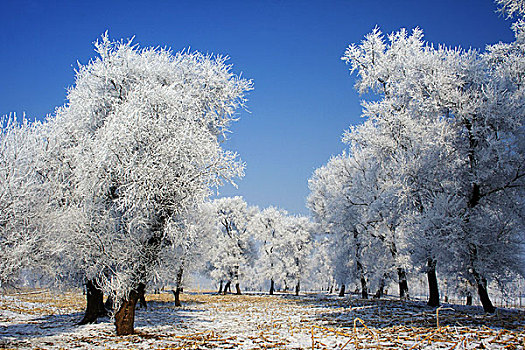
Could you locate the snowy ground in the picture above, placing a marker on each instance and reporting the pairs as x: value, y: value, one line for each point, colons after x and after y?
x: 46, y: 321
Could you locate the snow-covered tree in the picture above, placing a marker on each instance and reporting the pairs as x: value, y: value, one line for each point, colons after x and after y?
x: 233, y: 249
x: 270, y: 230
x: 141, y: 136
x: 297, y: 248
x: 449, y: 124
x: 24, y: 203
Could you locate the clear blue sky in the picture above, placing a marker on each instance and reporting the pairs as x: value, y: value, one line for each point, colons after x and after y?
x: 303, y: 98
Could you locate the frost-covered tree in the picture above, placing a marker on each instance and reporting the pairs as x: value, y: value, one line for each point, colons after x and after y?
x: 24, y: 202
x: 350, y: 197
x: 270, y: 230
x: 233, y: 249
x: 142, y: 132
x: 450, y: 123
x: 297, y: 248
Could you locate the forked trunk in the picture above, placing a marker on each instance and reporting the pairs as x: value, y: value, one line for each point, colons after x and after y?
x: 342, y: 291
x: 227, y: 287
x: 433, y: 291
x: 237, y: 289
x: 403, y: 285
x: 297, y: 287
x: 125, y: 316
x: 272, y: 287
x: 95, y: 303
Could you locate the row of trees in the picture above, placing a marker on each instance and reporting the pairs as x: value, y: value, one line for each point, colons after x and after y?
x: 100, y: 191
x: 113, y: 189
x: 435, y: 177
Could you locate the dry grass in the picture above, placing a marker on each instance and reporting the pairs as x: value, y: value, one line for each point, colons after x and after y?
x: 277, y: 322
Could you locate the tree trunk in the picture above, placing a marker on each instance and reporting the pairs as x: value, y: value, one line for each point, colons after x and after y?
x: 176, y: 294
x: 178, y: 286
x: 342, y: 291
x: 125, y: 316
x: 220, y: 288
x: 331, y: 289
x: 364, y: 288
x: 237, y: 289
x: 469, y: 299
x: 272, y: 285
x: 142, y: 300
x: 484, y: 296
x: 297, y: 287
x: 381, y: 290
x: 227, y: 287
x: 95, y: 303
x: 403, y: 285
x: 433, y: 291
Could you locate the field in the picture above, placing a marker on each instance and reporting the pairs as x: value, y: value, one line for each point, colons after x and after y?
x: 43, y: 320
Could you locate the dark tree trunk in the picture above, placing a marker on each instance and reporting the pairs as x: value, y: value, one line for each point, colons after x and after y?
x: 272, y: 286
x: 381, y: 290
x: 484, y: 296
x: 125, y: 316
x: 285, y: 286
x: 95, y: 303
x: 176, y: 294
x: 469, y: 299
x: 433, y: 291
x: 220, y: 288
x: 403, y: 285
x: 297, y: 287
x: 237, y: 289
x: 227, y: 287
x: 342, y: 290
x: 178, y: 286
x: 364, y: 288
x: 142, y: 300
x: 331, y: 289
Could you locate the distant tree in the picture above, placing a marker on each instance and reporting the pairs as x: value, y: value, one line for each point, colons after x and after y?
x: 233, y: 249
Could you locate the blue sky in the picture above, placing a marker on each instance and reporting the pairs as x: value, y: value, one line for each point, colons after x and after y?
x: 303, y: 98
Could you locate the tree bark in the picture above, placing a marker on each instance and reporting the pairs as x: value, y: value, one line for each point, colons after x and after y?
x: 433, y: 290
x: 297, y: 287
x: 364, y: 288
x: 484, y: 296
x: 342, y: 291
x: 227, y: 287
x: 272, y: 286
x: 178, y: 286
x: 403, y: 285
x: 125, y: 316
x: 220, y: 288
x: 469, y: 299
x: 95, y: 303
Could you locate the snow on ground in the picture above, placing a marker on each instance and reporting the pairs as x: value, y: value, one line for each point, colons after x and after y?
x: 206, y: 321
